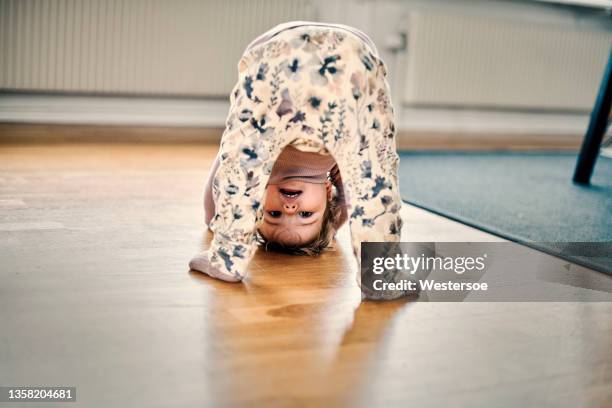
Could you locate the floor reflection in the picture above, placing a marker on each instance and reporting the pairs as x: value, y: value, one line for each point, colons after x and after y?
x: 295, y: 332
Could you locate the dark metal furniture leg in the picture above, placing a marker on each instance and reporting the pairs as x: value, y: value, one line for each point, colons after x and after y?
x: 597, y: 127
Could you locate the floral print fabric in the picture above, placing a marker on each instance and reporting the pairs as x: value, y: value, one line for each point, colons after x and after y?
x: 315, y: 86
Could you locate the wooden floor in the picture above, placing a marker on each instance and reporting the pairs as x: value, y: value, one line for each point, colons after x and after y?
x: 95, y: 293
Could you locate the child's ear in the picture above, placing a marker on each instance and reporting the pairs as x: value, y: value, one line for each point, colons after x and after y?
x: 328, y: 187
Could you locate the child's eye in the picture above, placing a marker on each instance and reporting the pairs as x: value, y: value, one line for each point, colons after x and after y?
x: 305, y: 214
x: 274, y: 214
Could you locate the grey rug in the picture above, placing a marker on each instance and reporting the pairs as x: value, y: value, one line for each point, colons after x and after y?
x: 524, y: 197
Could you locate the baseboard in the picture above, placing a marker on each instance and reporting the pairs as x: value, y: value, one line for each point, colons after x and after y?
x: 432, y: 140
x: 406, y: 140
x: 69, y: 118
x: 482, y: 120
x: 56, y: 133
x: 112, y: 110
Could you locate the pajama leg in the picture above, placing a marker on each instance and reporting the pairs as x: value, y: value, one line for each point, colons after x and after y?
x: 371, y: 162
x: 248, y: 151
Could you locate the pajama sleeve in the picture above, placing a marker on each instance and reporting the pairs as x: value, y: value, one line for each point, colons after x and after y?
x: 209, y: 202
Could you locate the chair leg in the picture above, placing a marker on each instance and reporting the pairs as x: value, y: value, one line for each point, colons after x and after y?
x: 597, y: 128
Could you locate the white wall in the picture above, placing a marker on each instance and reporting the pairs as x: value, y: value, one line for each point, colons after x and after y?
x: 454, y: 65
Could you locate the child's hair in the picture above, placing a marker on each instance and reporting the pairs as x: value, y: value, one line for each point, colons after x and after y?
x: 317, y: 245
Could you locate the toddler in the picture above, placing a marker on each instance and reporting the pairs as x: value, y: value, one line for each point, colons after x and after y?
x: 309, y: 143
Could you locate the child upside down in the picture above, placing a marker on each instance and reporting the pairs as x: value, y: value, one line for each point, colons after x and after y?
x: 309, y: 143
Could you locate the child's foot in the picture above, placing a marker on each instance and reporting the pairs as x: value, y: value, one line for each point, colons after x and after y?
x: 201, y: 263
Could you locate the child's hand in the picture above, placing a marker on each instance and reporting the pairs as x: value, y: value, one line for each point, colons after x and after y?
x: 201, y: 263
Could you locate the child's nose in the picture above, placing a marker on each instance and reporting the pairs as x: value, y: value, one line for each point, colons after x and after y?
x: 290, y: 208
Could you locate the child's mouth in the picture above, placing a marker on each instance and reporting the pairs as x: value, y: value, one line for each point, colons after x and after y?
x: 289, y: 193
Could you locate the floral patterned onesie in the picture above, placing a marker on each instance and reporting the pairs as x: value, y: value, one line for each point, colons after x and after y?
x: 310, y: 85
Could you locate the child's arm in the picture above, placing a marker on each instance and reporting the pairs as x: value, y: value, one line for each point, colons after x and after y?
x: 235, y: 201
x: 239, y: 188
x: 336, y: 180
x: 209, y: 202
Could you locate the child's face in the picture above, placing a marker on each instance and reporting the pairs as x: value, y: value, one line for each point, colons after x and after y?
x: 293, y: 211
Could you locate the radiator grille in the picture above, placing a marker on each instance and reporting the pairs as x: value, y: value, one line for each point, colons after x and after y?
x: 472, y: 61
x: 132, y: 46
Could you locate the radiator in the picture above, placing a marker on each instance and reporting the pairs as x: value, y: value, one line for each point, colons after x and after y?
x: 479, y: 62
x: 142, y: 47
x: 190, y: 48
